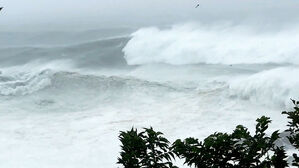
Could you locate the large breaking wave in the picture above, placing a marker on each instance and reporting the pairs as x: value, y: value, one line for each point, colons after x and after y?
x: 66, y: 100
x: 193, y: 44
x: 242, y: 46
x: 273, y: 87
x: 189, y: 44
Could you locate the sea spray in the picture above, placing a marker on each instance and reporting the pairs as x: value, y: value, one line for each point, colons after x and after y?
x: 193, y: 44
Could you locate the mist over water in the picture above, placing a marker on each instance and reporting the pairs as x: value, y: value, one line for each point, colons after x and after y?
x: 64, y: 97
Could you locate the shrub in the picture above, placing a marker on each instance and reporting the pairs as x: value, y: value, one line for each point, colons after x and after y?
x: 133, y: 149
x: 147, y: 149
x: 240, y: 149
x: 293, y: 125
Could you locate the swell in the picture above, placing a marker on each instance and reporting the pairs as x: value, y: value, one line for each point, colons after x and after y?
x: 179, y: 45
x: 63, y: 82
x: 273, y: 87
x: 102, y: 53
x: 58, y: 38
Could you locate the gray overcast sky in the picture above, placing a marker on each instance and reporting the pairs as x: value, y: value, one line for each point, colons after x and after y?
x: 89, y: 14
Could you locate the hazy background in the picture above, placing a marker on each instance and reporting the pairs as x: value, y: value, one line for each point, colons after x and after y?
x: 72, y: 74
x: 45, y: 15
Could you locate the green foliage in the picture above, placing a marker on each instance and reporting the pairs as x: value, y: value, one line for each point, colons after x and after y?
x: 133, y: 148
x: 279, y: 158
x: 148, y: 149
x: 213, y: 152
x: 240, y: 149
x: 296, y: 160
x: 293, y: 125
x: 253, y: 148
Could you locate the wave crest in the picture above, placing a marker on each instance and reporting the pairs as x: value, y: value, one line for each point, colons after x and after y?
x: 193, y: 44
x: 271, y: 87
x: 24, y: 83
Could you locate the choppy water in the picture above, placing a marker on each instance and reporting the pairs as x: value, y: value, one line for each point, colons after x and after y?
x: 63, y: 105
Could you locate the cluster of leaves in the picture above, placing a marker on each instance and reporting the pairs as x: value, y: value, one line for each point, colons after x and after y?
x: 148, y: 149
x: 293, y: 125
x: 240, y: 149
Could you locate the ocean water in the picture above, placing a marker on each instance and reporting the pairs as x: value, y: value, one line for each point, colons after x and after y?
x: 65, y: 97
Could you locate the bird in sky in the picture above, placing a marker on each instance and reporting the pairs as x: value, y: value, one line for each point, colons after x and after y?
x: 1, y: 8
x: 197, y: 6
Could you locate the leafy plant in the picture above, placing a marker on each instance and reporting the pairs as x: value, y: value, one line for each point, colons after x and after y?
x: 133, y: 149
x: 252, y: 149
x: 279, y: 158
x: 213, y: 152
x: 240, y: 149
x: 293, y: 125
x: 148, y: 149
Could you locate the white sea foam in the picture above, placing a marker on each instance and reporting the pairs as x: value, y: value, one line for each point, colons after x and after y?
x: 28, y: 78
x: 53, y: 114
x: 25, y: 83
x: 273, y: 87
x: 192, y: 44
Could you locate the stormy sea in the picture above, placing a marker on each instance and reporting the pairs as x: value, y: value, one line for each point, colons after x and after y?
x: 64, y: 96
